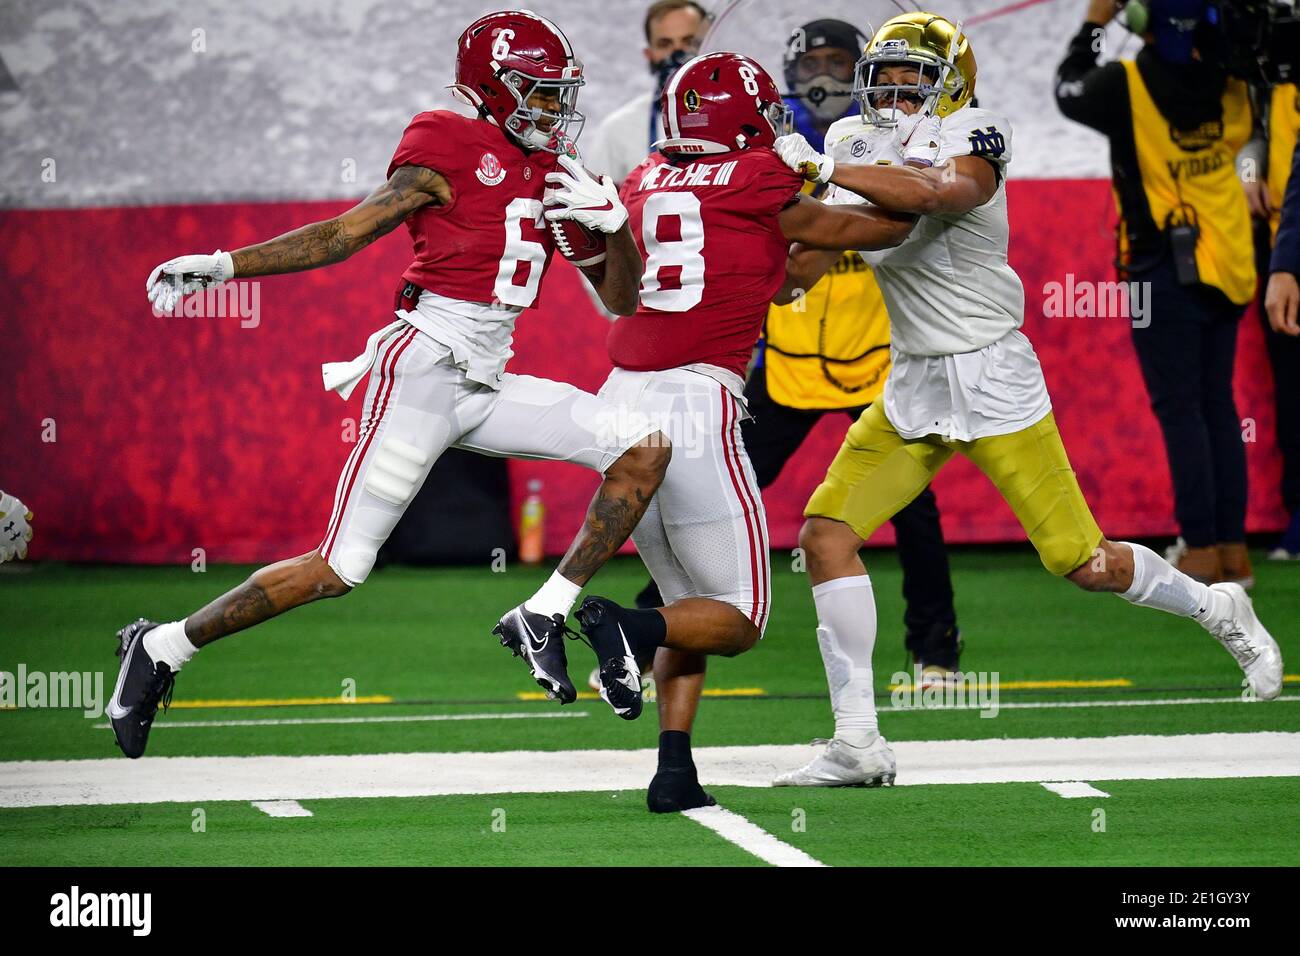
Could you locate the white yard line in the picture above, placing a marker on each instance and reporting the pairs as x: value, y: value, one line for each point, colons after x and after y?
x: 282, y: 808
x: 390, y: 719
x: 168, y: 722
x: 750, y: 837
x: 1074, y: 789
x: 1068, y: 704
x: 30, y: 783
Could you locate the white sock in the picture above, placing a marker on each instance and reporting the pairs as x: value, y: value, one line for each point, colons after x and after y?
x: 1158, y: 584
x: 846, y: 633
x: 168, y: 643
x: 556, y: 596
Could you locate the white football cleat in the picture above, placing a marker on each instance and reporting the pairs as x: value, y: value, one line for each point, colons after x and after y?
x: 843, y: 765
x: 932, y: 675
x: 1247, y: 640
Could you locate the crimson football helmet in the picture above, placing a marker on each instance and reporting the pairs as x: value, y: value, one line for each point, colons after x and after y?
x: 721, y: 102
x: 504, y: 58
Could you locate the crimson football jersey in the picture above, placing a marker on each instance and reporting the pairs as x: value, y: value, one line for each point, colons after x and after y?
x: 714, y: 253
x: 490, y: 243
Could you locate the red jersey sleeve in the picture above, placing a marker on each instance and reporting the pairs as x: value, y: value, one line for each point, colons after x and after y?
x: 633, y: 180
x: 430, y: 141
x: 771, y: 185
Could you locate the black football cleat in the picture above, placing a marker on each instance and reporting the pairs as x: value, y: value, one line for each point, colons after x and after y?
x: 620, y: 677
x: 676, y: 789
x: 142, y: 685
x: 539, y: 640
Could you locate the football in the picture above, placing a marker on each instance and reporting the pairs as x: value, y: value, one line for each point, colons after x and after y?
x: 584, y: 247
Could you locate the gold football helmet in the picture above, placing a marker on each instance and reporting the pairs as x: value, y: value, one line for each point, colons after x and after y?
x: 937, y: 49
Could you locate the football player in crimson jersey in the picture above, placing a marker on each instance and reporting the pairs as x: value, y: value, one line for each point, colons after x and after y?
x: 471, y: 192
x: 713, y: 212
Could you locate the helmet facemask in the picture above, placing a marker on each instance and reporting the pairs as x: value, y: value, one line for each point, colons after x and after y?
x: 879, y: 101
x: 779, y: 116
x: 552, y: 131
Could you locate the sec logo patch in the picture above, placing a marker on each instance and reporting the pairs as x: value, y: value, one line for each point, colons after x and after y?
x: 489, y: 171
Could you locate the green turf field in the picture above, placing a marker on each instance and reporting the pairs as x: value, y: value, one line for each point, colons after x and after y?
x: 413, y: 646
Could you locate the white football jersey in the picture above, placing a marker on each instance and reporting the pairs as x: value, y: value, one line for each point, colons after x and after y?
x: 948, y: 287
x: 961, y: 369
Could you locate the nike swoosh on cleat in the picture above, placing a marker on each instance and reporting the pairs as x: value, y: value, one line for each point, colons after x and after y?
x: 115, y: 710
x: 531, y: 640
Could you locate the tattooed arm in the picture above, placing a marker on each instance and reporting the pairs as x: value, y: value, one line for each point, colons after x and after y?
x: 333, y: 240
x: 618, y: 505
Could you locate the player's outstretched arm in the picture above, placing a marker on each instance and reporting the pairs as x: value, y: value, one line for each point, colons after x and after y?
x: 317, y: 244
x: 959, y: 185
x: 804, y: 268
x: 917, y: 186
x: 333, y: 240
x: 822, y: 233
x: 819, y: 226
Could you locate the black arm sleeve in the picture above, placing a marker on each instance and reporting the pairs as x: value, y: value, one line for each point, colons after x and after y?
x: 1286, y: 248
x: 1088, y: 93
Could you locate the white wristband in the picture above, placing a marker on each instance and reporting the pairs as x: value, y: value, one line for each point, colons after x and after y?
x: 827, y: 168
x: 227, y: 265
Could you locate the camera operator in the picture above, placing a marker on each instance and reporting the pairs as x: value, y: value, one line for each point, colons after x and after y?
x: 1176, y: 121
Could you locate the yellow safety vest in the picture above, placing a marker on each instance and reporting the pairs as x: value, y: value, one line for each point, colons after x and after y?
x: 830, y: 348
x: 1283, y: 128
x: 1198, y: 169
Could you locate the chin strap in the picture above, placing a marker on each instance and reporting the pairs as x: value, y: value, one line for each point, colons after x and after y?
x: 953, y: 47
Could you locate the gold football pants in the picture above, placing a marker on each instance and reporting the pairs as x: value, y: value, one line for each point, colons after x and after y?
x: 877, y: 472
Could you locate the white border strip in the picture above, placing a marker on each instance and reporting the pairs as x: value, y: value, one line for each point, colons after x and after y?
x: 1068, y: 704
x: 1073, y: 789
x: 116, y: 780
x: 282, y: 808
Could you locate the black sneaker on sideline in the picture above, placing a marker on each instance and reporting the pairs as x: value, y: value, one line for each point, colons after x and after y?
x: 672, y: 791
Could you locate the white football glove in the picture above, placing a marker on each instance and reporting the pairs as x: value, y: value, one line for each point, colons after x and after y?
x: 917, y: 138
x: 185, y: 274
x: 15, y: 528
x: 797, y: 153
x: 576, y: 194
